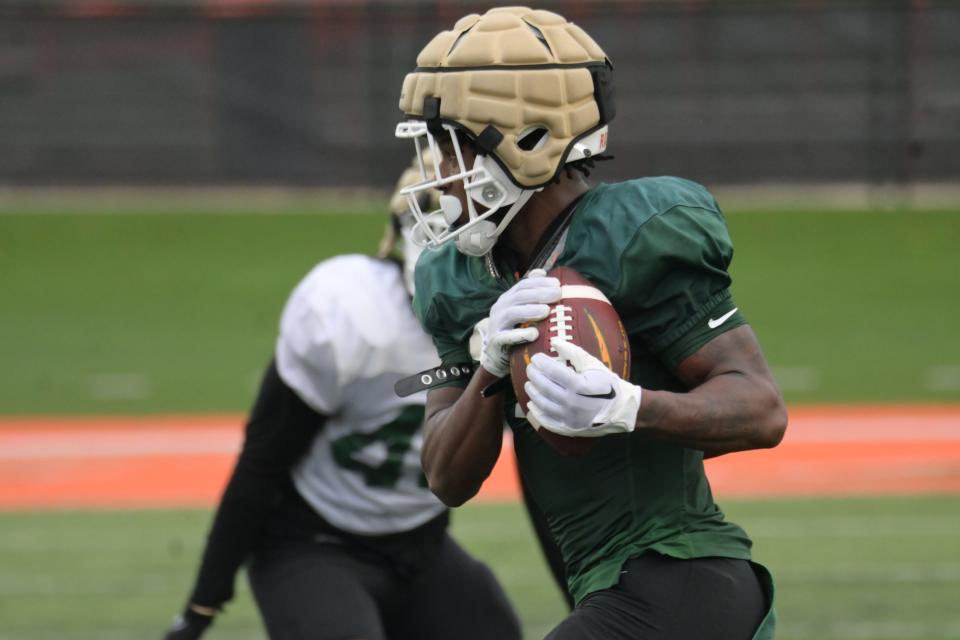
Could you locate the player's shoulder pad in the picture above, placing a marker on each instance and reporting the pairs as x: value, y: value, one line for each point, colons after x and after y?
x: 436, y: 273
x: 452, y: 290
x: 643, y: 229
x: 627, y: 210
x: 634, y: 202
x: 348, y: 304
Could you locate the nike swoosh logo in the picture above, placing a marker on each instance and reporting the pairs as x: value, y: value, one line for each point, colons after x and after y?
x: 608, y: 395
x: 713, y: 324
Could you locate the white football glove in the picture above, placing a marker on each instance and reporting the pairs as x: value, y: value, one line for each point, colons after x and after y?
x: 587, y: 401
x: 526, y: 301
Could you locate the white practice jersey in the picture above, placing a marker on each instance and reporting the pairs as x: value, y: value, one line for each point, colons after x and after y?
x: 347, y: 334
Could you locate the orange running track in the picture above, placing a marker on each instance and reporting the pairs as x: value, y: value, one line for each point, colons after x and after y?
x: 184, y: 461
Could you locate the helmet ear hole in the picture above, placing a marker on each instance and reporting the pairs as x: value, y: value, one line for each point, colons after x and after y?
x: 532, y: 138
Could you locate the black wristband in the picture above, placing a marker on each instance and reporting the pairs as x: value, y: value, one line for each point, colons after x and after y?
x: 434, y: 377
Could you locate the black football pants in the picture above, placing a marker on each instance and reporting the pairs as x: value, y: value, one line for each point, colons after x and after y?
x: 311, y: 584
x: 661, y: 598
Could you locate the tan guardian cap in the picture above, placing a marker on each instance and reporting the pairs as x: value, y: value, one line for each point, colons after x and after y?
x: 525, y: 84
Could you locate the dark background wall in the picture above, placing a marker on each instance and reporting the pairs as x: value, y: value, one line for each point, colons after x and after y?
x: 159, y: 93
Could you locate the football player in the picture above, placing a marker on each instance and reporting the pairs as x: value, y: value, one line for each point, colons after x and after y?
x: 327, y: 503
x: 515, y: 106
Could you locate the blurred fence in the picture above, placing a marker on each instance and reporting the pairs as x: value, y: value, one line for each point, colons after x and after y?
x: 305, y: 93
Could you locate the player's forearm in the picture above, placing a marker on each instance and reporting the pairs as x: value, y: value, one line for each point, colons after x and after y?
x: 731, y: 412
x: 280, y: 429
x: 463, y: 435
x: 237, y: 526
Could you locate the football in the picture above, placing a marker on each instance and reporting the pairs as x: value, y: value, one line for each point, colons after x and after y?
x: 586, y: 318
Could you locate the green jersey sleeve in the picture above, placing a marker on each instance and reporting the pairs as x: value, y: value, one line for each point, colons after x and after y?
x: 453, y: 292
x: 669, y: 280
x: 675, y: 281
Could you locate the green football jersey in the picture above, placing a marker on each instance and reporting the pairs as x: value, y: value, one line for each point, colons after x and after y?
x: 659, y: 250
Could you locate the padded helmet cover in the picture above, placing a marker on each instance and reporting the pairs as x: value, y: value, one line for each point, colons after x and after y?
x: 518, y: 70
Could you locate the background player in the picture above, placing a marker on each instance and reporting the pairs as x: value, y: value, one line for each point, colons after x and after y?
x: 513, y: 102
x: 327, y: 501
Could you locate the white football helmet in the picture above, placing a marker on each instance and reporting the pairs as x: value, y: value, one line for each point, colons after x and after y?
x: 529, y: 90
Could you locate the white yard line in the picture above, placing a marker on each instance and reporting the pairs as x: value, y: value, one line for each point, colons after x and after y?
x: 877, y: 630
x: 895, y: 426
x: 796, y: 378
x: 119, y: 386
x: 885, y: 574
x: 118, y: 437
x: 943, y: 378
x: 115, y: 443
x: 853, y: 526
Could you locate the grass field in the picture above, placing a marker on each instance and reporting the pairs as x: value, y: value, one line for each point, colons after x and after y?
x: 177, y: 312
x: 158, y: 312
x: 143, y: 313
x: 861, y: 569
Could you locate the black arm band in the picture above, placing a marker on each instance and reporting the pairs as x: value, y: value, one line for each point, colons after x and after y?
x: 435, y: 377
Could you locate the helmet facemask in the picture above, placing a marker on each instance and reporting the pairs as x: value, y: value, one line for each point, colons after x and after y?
x: 412, y: 244
x: 492, y: 198
x: 402, y: 239
x: 530, y: 90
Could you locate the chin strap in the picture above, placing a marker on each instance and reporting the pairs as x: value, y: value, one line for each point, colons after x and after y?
x: 480, y: 239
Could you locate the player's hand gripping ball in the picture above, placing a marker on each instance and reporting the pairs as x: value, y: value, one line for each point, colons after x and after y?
x: 583, y: 317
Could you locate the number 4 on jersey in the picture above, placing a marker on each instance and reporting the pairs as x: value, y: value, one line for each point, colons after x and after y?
x: 395, y: 437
